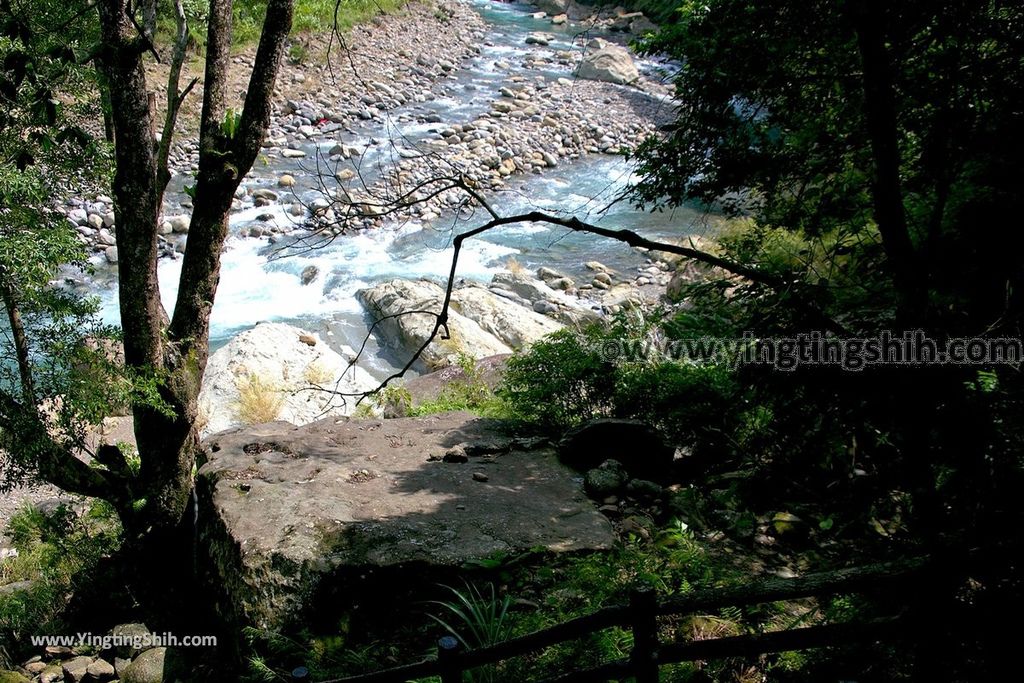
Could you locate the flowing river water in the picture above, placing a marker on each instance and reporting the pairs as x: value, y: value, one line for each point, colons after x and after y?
x: 258, y: 284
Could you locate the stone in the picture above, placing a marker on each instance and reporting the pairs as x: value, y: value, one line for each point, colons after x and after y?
x: 637, y: 445
x: 110, y: 253
x: 101, y: 670
x: 608, y: 62
x: 541, y: 39
x: 131, y: 636
x: 51, y: 674
x: 559, y: 19
x: 605, y: 480
x: 286, y: 180
x: 274, y: 355
x: 292, y: 153
x: 552, y: 7
x: 308, y: 531
x: 641, y: 25
x: 643, y: 490
x: 105, y: 238
x: 390, y: 305
x: 79, y: 216
x: 148, y: 667
x: 17, y: 587
x: 309, y: 273
x: 544, y: 307
x: 787, y: 524
x: 515, y: 325
x: 344, y: 175
x: 75, y: 669
x: 95, y: 221
x: 264, y: 193
x: 481, y: 477
x: 524, y: 286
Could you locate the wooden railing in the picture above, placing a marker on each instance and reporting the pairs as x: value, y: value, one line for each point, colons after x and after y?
x: 641, y: 614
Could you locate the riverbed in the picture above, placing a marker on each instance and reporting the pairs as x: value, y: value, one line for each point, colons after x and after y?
x: 262, y: 280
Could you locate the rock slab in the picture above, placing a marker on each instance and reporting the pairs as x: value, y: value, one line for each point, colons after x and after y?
x: 286, y: 512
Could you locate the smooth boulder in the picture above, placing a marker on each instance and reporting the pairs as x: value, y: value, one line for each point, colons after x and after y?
x: 289, y: 364
x: 480, y: 322
x: 608, y: 62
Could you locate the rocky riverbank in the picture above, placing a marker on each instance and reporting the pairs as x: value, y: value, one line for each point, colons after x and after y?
x: 546, y: 113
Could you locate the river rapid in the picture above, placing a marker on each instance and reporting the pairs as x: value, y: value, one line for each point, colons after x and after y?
x: 261, y: 281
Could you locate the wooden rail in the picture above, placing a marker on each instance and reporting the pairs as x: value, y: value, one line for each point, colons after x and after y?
x: 649, y: 653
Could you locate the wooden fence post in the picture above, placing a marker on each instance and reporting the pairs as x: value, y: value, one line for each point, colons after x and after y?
x: 643, y: 603
x: 448, y: 649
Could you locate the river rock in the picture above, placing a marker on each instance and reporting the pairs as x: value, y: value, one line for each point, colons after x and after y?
x: 641, y: 25
x: 391, y: 305
x: 552, y: 7
x: 179, y: 224
x: 309, y: 273
x: 514, y: 325
x: 298, y: 519
x: 75, y: 669
x: 523, y: 285
x: 275, y: 356
x: 608, y: 62
x: 100, y: 670
x: 110, y: 253
x: 286, y: 180
x: 605, y: 480
x: 148, y: 667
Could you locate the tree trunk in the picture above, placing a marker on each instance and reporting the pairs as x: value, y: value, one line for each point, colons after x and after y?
x: 176, y: 352
x: 880, y: 119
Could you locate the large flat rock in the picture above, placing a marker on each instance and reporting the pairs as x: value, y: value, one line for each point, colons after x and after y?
x: 288, y: 512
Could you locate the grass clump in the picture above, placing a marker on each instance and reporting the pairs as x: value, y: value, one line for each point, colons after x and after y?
x: 317, y: 374
x: 259, y: 401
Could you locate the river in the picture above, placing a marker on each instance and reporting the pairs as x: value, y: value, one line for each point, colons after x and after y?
x: 261, y: 282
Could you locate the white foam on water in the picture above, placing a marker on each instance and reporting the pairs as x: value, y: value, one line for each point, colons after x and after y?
x: 254, y: 288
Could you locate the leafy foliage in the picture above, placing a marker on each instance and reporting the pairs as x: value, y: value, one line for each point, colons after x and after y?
x: 59, y: 553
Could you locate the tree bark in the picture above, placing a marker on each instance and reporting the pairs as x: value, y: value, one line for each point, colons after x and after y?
x: 887, y: 193
x: 19, y: 337
x: 176, y: 352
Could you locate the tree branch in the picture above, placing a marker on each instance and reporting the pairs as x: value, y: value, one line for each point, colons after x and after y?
x: 55, y: 464
x: 19, y: 337
x: 174, y: 98
x: 258, y: 98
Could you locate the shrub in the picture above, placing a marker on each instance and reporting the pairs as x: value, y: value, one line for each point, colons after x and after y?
x: 560, y: 381
x: 60, y: 553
